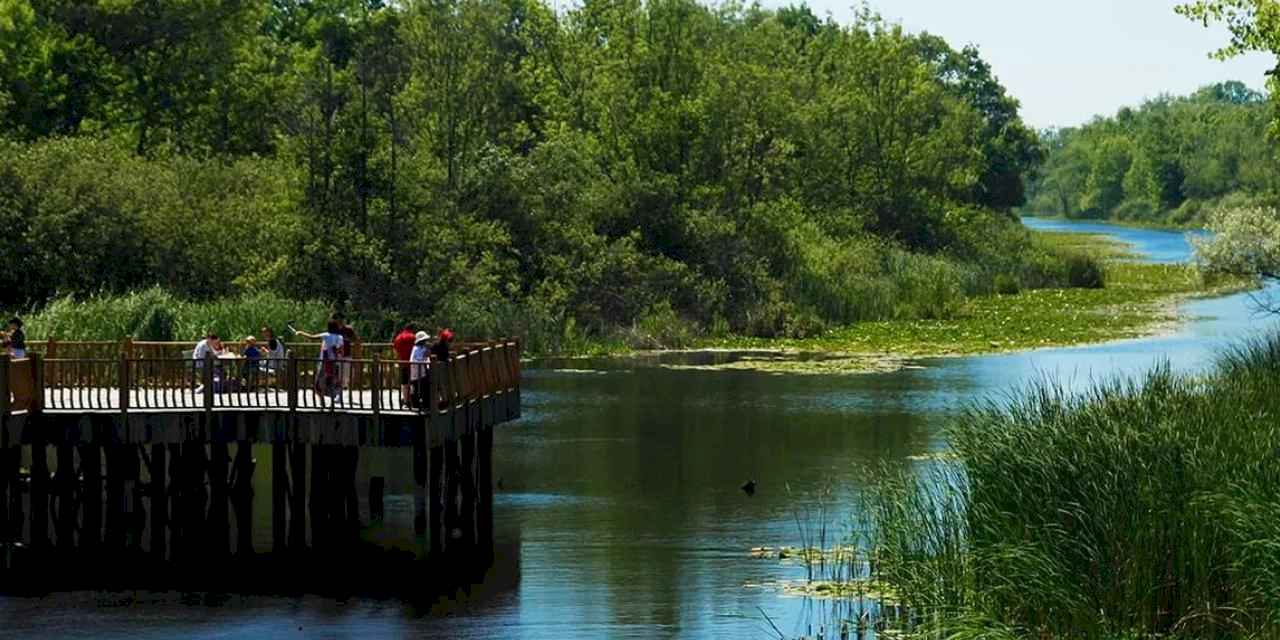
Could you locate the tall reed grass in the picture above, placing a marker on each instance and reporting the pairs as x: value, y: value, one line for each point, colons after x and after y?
x: 1142, y: 508
x: 154, y: 314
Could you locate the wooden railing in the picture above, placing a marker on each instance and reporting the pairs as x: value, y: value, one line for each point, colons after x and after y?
x: 148, y: 377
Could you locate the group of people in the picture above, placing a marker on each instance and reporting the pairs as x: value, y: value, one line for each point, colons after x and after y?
x: 257, y: 359
x: 14, y: 341
x: 414, y: 350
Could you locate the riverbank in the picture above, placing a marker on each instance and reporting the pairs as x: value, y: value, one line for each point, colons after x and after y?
x: 1139, y: 299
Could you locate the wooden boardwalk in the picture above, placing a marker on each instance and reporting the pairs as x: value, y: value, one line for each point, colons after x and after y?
x: 146, y: 442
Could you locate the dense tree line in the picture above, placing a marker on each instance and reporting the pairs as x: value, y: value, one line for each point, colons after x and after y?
x: 1171, y: 160
x: 508, y: 166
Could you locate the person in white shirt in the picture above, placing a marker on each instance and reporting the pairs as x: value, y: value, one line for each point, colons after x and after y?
x: 211, y: 345
x: 276, y: 353
x: 328, y: 378
x: 420, y: 370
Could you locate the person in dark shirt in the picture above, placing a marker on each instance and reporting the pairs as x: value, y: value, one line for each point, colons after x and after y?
x: 347, y: 350
x: 440, y: 350
x: 252, y: 362
x: 17, y: 339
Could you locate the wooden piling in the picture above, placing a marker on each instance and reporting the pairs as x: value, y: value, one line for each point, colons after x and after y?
x: 435, y: 499
x: 65, y: 490
x: 4, y: 489
x: 467, y: 485
x: 319, y: 496
x: 242, y: 498
x: 484, y: 475
x: 176, y: 490
x: 159, y: 502
x: 279, y: 496
x: 420, y: 481
x: 298, y: 505
x: 39, y: 494
x: 452, y: 473
x: 17, y: 521
x: 91, y: 496
x: 218, y: 525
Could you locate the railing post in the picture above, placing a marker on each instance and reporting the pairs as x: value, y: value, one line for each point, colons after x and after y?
x: 37, y: 382
x: 376, y: 385
x: 124, y: 383
x: 126, y: 346
x: 4, y: 384
x: 291, y: 381
x: 207, y: 381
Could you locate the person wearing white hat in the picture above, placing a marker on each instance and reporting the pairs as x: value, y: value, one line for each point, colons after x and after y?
x: 420, y: 369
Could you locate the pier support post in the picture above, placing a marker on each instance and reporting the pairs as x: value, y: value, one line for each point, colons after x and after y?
x: 319, y: 496
x: 5, y: 485
x: 484, y: 475
x: 242, y: 498
x: 39, y: 494
x: 17, y: 521
x: 159, y: 502
x: 279, y: 496
x: 420, y: 481
x: 219, y: 525
x: 91, y: 469
x: 65, y: 489
x: 298, y: 504
x: 467, y: 481
x: 435, y: 499
x: 177, y: 489
x: 452, y: 474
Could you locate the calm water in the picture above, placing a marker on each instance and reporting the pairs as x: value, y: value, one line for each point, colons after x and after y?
x: 621, y: 516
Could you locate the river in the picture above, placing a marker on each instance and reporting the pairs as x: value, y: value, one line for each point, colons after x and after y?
x: 620, y: 513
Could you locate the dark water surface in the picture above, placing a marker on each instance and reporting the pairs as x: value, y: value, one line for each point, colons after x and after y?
x: 620, y: 514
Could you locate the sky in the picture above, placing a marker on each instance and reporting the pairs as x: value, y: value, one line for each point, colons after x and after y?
x: 1067, y: 61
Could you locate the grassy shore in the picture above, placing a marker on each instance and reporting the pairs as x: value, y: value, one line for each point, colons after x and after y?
x: 1138, y: 299
x: 1144, y: 509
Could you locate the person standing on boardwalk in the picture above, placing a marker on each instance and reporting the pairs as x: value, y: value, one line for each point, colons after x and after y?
x: 17, y: 339
x: 441, y: 348
x: 347, y: 351
x: 276, y: 353
x: 420, y: 374
x: 328, y: 378
x: 403, y: 344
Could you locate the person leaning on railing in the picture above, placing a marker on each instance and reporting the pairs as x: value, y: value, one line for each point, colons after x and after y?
x: 328, y: 378
x: 420, y: 370
x: 276, y: 353
x: 211, y: 345
x: 15, y: 341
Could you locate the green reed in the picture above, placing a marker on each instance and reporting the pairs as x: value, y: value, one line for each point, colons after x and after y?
x: 1140, y: 508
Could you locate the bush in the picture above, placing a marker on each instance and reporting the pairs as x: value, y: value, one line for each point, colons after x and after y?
x: 1085, y: 271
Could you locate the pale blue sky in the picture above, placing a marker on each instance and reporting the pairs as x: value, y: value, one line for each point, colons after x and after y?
x: 1068, y: 61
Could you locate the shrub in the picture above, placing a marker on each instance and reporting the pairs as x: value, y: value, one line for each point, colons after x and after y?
x: 1085, y: 271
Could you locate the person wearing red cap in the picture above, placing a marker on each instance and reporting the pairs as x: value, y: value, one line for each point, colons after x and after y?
x: 440, y: 350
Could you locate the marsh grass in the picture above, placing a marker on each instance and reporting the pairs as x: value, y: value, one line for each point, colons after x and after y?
x: 1141, y: 508
x: 154, y: 314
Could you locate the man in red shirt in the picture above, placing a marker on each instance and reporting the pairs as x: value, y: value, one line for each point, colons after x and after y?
x: 403, y: 345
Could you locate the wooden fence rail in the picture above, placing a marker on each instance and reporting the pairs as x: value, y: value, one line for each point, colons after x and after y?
x: 139, y: 376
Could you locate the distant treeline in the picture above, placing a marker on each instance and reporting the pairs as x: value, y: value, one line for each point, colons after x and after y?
x: 1167, y: 162
x: 507, y: 167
